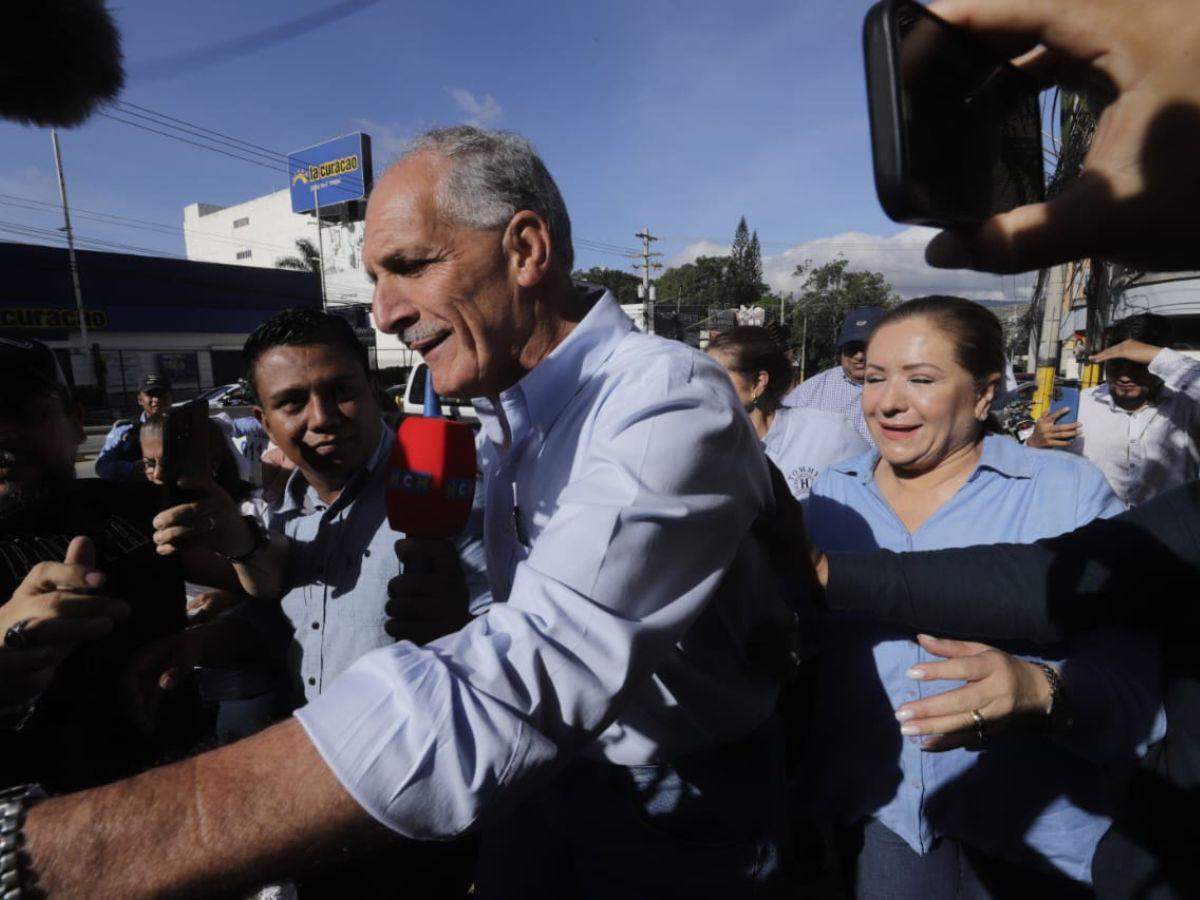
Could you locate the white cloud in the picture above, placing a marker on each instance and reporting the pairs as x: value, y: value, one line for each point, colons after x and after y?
x: 479, y: 112
x: 901, y: 259
x: 695, y: 250
x: 387, y: 141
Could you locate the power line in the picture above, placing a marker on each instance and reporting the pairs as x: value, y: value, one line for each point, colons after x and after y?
x: 133, y: 106
x: 203, y: 132
x: 607, y: 245
x: 240, y: 146
x: 184, y: 140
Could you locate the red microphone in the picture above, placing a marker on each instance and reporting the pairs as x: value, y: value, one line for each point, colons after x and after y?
x: 431, y: 473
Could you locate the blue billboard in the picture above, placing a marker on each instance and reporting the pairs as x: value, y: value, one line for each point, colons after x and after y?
x: 336, y: 171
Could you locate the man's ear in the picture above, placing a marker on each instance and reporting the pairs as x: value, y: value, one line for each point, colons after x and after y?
x: 528, y: 248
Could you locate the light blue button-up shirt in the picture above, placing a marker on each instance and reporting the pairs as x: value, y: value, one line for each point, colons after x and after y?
x: 1022, y: 793
x: 621, y: 479
x: 339, y: 562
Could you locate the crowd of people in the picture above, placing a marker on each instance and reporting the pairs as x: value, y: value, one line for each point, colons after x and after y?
x: 699, y: 622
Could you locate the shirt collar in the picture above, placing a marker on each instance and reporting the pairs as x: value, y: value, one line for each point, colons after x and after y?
x: 537, y: 399
x: 1000, y: 454
x: 299, y: 495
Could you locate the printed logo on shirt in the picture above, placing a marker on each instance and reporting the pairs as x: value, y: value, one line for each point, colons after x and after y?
x: 801, y: 479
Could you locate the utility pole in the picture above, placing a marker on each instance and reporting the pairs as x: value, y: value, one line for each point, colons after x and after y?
x: 74, y: 265
x: 1058, y: 282
x: 646, y: 291
x: 320, y: 243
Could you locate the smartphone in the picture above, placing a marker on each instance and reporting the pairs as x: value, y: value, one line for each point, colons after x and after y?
x: 956, y: 131
x: 1068, y: 397
x: 185, y: 450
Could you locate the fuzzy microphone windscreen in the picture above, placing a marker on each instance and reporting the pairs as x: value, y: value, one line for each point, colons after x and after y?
x: 62, y: 58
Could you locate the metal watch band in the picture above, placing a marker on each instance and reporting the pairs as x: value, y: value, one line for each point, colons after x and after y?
x: 14, y: 802
x: 1057, y: 715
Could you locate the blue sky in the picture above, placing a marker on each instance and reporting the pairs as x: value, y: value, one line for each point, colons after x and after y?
x: 680, y: 116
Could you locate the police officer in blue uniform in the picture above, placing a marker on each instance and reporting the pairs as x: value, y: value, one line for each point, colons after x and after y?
x: 121, y: 457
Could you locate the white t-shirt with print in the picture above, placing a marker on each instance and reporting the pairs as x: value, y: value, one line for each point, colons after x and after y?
x: 804, y: 441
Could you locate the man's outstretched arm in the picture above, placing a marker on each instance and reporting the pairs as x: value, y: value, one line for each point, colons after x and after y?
x: 259, y: 809
x: 1139, y: 568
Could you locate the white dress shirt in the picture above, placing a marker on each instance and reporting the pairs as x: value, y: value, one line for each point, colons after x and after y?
x: 621, y: 478
x: 1153, y: 449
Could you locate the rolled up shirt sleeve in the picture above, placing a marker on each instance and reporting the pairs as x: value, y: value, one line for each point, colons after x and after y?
x: 428, y: 739
x: 1179, y: 372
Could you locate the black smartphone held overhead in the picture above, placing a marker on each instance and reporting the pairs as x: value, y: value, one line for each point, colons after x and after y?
x: 956, y: 130
x: 185, y: 450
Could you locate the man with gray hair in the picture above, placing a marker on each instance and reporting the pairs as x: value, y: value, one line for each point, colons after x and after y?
x: 601, y: 721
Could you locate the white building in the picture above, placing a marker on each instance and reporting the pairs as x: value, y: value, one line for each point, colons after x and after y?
x: 263, y: 230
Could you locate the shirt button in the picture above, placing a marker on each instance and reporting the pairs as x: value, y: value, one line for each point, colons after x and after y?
x: 316, y: 625
x: 312, y: 680
x: 367, y: 552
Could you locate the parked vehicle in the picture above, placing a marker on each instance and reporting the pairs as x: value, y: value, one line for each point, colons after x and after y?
x: 232, y: 399
x: 412, y: 398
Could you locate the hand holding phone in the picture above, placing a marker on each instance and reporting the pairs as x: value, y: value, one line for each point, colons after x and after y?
x: 1066, y: 398
x: 955, y: 129
x: 1053, y: 430
x: 1136, y: 195
x: 186, y: 451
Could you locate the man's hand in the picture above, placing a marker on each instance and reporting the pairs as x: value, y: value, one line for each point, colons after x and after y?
x: 1130, y: 351
x: 161, y: 667
x: 1006, y: 691
x: 1136, y: 196
x: 1048, y: 433
x: 276, y: 470
x: 52, y: 611
x: 207, y: 606
x: 430, y: 599
x: 213, y: 522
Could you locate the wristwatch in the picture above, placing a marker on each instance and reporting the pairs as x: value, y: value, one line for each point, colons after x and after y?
x: 262, y: 538
x: 15, y: 881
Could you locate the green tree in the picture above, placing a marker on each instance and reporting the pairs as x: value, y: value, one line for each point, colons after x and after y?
x: 308, y: 260
x: 623, y: 285
x: 829, y: 291
x: 699, y: 283
x: 744, y: 285
x: 754, y: 264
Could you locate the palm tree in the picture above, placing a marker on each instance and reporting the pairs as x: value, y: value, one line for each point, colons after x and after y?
x: 309, y: 259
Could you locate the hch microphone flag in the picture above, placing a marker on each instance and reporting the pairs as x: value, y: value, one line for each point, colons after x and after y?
x: 431, y: 473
